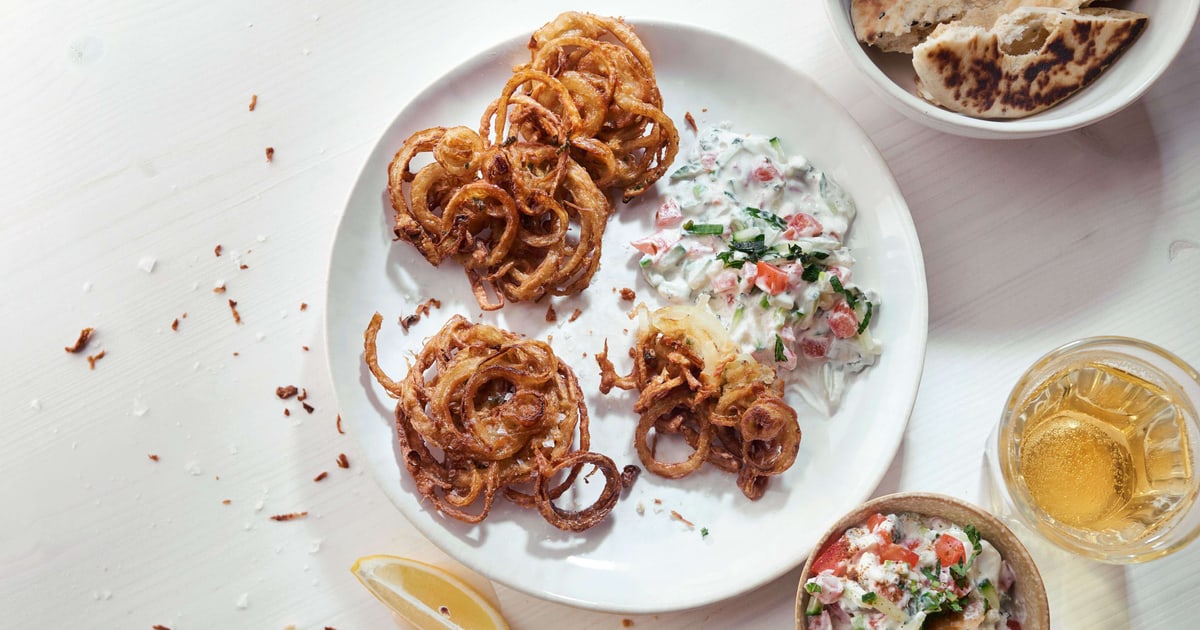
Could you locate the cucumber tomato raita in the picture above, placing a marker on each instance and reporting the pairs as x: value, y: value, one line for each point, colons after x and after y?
x: 759, y: 237
x: 907, y: 572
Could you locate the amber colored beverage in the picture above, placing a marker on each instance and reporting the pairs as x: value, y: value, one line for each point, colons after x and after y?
x: 1102, y: 450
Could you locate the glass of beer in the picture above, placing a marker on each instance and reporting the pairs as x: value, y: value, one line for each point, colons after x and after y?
x: 1098, y: 448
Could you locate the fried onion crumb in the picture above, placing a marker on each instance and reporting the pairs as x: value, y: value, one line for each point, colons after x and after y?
x: 85, y: 336
x: 93, y: 358
x: 290, y: 516
x: 677, y: 516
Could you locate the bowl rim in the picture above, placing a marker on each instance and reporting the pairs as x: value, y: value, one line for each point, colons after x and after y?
x: 990, y: 526
x: 945, y: 120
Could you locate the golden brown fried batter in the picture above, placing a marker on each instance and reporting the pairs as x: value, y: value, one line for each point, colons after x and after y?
x: 520, y: 204
x: 503, y: 411
x: 693, y: 382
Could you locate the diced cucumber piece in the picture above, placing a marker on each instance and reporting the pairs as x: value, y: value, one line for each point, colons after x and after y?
x: 988, y: 590
x: 746, y: 234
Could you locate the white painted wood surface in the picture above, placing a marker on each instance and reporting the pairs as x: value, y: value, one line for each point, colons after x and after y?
x: 126, y: 136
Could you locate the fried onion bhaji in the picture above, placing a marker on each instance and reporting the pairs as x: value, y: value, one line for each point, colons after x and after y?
x: 484, y: 411
x: 693, y: 382
x: 521, y: 203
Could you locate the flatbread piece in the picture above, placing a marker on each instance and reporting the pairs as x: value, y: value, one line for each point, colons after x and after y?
x: 1030, y: 60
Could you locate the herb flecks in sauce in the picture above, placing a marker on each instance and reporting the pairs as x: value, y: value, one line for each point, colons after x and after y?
x: 760, y: 236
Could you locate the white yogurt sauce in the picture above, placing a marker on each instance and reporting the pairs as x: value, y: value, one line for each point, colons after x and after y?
x: 759, y: 236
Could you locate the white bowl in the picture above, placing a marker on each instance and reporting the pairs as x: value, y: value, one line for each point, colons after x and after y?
x: 892, y: 77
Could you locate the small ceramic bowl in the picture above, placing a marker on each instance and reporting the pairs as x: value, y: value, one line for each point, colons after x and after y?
x: 1029, y: 591
x: 891, y: 75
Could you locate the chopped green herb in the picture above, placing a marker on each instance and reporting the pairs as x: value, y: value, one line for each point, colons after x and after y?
x: 780, y: 355
x: 645, y: 262
x: 866, y: 321
x: 972, y: 535
x: 851, y: 296
x: 727, y: 258
x: 704, y: 532
x: 753, y: 250
x: 765, y: 302
x: 703, y: 228
x: 811, y: 273
x: 768, y: 217
x: 778, y: 146
x: 685, y: 171
x: 812, y: 587
x: 869, y: 597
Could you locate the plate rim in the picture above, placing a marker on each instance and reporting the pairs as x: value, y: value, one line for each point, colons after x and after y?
x: 920, y: 313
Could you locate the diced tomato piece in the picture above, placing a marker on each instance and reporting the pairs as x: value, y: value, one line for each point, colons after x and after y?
x: 669, y: 214
x: 803, y: 224
x: 655, y: 244
x: 949, y: 550
x: 725, y: 281
x: 873, y: 525
x: 842, y: 321
x: 765, y: 172
x: 897, y: 553
x: 771, y: 279
x: 815, y: 347
x: 833, y: 557
x: 842, y: 273
x: 1013, y: 624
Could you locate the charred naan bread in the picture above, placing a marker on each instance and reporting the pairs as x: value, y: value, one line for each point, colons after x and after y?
x: 1028, y: 61
x: 899, y: 25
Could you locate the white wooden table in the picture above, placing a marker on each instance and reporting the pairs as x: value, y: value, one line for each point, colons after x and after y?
x: 127, y: 141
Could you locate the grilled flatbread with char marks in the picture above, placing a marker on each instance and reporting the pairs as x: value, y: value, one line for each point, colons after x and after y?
x: 1030, y: 60
x: 899, y: 25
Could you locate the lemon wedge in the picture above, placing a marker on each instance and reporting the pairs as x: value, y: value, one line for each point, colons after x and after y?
x: 426, y: 596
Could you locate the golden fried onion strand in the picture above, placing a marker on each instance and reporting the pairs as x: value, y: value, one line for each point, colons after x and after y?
x: 693, y: 382
x: 520, y: 203
x: 497, y: 412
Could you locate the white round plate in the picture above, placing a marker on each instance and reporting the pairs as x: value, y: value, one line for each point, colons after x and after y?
x: 640, y: 559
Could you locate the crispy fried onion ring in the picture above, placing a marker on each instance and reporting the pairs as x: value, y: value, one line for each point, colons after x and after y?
x: 693, y: 382
x: 520, y: 204
x: 628, y: 142
x: 497, y: 413
x: 523, y: 219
